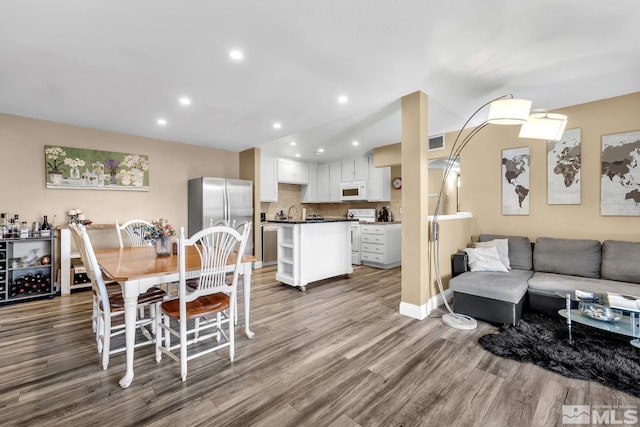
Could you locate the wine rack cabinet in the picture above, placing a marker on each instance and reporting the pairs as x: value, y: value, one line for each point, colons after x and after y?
x: 26, y: 269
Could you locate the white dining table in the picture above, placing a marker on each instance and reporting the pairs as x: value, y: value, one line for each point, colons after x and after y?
x: 137, y: 269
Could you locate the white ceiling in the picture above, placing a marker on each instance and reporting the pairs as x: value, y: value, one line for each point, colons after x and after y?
x: 119, y: 65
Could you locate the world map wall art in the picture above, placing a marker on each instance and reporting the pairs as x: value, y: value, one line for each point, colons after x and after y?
x: 564, y: 164
x: 79, y: 168
x: 620, y: 174
x: 515, y: 181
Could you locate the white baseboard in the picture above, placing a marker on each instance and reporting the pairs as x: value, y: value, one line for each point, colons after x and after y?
x: 422, y: 311
x: 257, y: 264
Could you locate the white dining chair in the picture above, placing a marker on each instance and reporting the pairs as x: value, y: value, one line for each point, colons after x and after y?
x: 134, y: 229
x: 209, y: 307
x: 110, y: 305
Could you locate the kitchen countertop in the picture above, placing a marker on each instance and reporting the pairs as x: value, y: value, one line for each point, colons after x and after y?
x: 308, y: 221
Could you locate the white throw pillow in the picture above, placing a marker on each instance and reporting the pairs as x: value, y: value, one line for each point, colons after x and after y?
x: 485, y: 259
x: 502, y: 245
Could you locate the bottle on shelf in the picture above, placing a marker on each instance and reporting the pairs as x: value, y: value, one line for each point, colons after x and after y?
x: 25, y: 231
x: 3, y: 226
x: 45, y: 228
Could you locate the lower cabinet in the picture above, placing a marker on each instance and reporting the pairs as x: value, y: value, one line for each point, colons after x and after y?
x: 380, y: 245
x: 26, y: 269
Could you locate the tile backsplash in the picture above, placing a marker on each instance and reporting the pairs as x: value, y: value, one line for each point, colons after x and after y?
x: 289, y: 195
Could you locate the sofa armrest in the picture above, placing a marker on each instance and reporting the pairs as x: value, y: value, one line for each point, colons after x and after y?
x: 459, y: 263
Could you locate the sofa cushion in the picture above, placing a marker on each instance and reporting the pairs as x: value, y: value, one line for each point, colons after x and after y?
x: 559, y: 284
x: 520, y: 255
x: 575, y: 257
x: 501, y: 245
x: 621, y: 261
x: 508, y: 287
x: 485, y: 259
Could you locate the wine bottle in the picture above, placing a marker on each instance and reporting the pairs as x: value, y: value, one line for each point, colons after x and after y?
x: 45, y: 228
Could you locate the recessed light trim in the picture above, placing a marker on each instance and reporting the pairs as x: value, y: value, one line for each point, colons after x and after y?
x: 292, y: 143
x: 184, y: 101
x: 297, y: 155
x: 320, y: 150
x: 343, y: 99
x: 236, y: 54
x: 354, y: 143
x: 161, y: 122
x: 277, y: 125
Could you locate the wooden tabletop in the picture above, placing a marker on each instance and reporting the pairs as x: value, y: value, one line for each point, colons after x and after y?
x: 139, y: 262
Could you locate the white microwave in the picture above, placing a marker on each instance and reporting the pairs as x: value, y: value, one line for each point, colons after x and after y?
x: 350, y: 191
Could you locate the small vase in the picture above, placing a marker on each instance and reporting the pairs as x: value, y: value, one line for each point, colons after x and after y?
x: 55, y: 177
x: 163, y: 246
x: 138, y: 177
x: 74, y: 173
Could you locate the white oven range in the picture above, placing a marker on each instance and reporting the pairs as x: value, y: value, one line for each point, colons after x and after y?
x: 361, y: 215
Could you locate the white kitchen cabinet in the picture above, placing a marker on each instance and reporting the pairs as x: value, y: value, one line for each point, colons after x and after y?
x: 380, y: 245
x: 291, y: 172
x: 329, y: 177
x: 379, y: 184
x: 324, y: 187
x: 355, y: 169
x: 335, y: 172
x: 268, y: 179
x: 309, y: 192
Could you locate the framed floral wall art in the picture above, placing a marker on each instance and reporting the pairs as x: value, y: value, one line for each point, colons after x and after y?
x: 79, y: 168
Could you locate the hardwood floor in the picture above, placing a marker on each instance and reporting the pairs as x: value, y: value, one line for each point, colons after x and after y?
x: 336, y: 355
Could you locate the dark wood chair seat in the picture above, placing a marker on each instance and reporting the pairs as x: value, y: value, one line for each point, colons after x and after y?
x: 152, y: 296
x: 201, y: 306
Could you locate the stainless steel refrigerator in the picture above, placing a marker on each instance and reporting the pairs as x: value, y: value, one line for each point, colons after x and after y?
x: 220, y: 199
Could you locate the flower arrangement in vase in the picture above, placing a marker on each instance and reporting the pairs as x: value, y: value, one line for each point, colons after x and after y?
x: 138, y: 165
x: 55, y: 161
x: 112, y: 164
x: 159, y: 232
x: 74, y: 167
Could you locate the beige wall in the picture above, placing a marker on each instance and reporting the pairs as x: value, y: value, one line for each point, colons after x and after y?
x: 172, y: 164
x: 480, y: 191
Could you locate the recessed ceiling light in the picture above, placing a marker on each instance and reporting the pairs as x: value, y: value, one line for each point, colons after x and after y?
x: 292, y: 143
x: 185, y: 101
x: 161, y: 122
x: 277, y: 125
x: 355, y: 143
x: 297, y: 155
x: 320, y: 150
x: 342, y: 99
x: 236, y: 54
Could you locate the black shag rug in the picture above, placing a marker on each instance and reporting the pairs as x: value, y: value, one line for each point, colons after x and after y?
x: 594, y: 355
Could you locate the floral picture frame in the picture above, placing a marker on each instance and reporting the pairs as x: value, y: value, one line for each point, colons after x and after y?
x: 79, y: 168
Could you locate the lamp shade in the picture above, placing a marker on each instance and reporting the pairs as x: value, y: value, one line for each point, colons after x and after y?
x: 544, y: 125
x: 509, y: 111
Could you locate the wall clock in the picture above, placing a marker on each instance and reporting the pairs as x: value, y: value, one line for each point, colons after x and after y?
x: 397, y: 183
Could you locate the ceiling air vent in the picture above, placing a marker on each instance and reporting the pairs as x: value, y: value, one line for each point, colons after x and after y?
x: 436, y: 142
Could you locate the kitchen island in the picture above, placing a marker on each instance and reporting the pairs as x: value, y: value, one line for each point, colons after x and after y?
x: 312, y: 250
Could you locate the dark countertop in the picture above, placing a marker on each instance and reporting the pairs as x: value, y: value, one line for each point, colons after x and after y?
x: 308, y: 221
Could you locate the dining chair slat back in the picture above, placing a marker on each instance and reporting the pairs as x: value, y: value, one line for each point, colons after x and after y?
x: 134, y: 229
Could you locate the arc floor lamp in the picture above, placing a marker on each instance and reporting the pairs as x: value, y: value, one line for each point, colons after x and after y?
x: 504, y: 110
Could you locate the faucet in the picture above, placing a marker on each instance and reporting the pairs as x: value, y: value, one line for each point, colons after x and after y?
x: 289, y: 211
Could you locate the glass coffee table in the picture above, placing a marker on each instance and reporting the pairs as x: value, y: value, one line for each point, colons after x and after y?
x: 628, y: 323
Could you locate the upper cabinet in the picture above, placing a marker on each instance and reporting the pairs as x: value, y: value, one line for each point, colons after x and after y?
x: 309, y: 192
x: 380, y: 184
x: 291, y: 172
x: 355, y: 169
x: 329, y: 175
x: 268, y: 179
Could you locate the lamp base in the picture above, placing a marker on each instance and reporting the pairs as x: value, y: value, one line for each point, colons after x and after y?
x: 459, y: 321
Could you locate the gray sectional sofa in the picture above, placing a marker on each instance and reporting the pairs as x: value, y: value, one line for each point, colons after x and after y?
x: 540, y: 274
